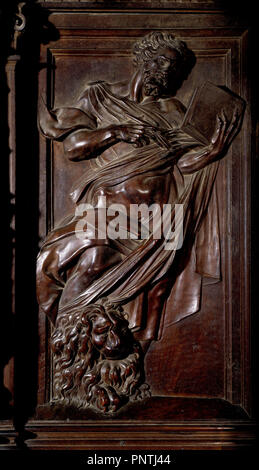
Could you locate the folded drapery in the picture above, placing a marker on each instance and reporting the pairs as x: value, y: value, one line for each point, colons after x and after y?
x: 143, y: 262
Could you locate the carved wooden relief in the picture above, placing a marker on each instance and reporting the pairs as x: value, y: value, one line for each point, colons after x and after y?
x: 131, y: 132
x: 143, y: 242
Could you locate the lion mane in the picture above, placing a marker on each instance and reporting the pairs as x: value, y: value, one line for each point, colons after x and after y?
x: 82, y: 376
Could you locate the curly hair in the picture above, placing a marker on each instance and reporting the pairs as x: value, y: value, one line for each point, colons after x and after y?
x: 146, y: 48
x: 81, y: 376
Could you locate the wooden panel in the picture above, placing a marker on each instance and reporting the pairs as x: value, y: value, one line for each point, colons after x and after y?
x: 190, y: 359
x: 204, y: 351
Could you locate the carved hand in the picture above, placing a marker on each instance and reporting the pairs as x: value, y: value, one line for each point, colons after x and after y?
x: 132, y: 134
x: 224, y: 133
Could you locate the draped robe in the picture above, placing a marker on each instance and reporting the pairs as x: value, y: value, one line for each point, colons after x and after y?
x: 143, y: 262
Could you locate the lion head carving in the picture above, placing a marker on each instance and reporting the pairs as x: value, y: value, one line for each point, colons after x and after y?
x: 97, y: 361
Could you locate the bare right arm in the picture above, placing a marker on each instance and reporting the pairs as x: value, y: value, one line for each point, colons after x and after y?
x: 84, y: 143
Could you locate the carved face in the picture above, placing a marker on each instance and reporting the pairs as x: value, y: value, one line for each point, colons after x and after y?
x: 110, y: 335
x: 161, y: 74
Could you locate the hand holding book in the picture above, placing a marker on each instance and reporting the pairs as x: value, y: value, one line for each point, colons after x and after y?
x: 224, y: 133
x: 213, y: 109
x: 212, y: 120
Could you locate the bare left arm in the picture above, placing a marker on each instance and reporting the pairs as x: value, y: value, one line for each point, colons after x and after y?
x: 222, y: 138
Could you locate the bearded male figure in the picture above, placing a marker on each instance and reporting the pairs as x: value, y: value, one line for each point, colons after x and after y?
x: 131, y: 132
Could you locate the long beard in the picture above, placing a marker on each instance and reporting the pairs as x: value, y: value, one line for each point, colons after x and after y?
x: 155, y: 84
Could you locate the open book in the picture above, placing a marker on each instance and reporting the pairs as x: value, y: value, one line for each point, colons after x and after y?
x: 207, y: 101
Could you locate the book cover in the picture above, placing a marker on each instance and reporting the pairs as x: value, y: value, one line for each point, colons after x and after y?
x: 206, y: 103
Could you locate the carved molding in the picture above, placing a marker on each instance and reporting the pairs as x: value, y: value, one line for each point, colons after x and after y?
x: 20, y: 24
x: 127, y: 4
x: 144, y: 436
